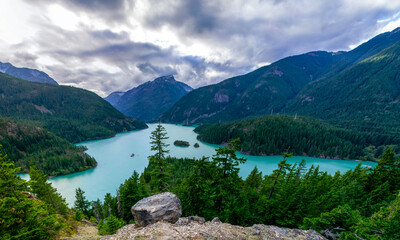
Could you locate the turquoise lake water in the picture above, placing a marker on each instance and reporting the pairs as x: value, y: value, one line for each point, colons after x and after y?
x: 115, y: 163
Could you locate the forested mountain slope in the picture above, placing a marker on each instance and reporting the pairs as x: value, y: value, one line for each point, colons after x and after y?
x: 71, y: 113
x: 265, y: 90
x: 27, y: 146
x: 365, y: 96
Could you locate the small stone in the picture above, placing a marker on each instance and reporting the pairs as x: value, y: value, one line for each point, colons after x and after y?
x: 216, y: 220
x: 200, y: 220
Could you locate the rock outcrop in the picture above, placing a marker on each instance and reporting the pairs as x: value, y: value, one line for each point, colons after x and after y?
x: 160, y: 207
x: 157, y: 217
x: 195, y: 228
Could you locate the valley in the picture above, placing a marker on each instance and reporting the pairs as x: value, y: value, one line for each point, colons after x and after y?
x: 310, y: 141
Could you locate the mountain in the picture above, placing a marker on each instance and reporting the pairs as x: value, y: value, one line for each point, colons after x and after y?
x: 365, y: 96
x: 28, y: 74
x: 149, y: 100
x: 68, y: 112
x: 114, y: 97
x: 353, y: 89
x: 27, y: 145
x: 263, y: 91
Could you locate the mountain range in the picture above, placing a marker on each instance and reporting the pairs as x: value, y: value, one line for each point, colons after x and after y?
x: 28, y: 74
x: 150, y: 99
x: 355, y: 89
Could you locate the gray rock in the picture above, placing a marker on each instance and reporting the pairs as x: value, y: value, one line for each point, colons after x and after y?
x: 216, y: 220
x: 190, y: 219
x: 161, y: 207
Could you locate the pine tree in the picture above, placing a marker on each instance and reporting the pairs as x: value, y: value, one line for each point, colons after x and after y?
x: 81, y: 203
x: 226, y: 159
x: 227, y: 181
x: 22, y: 217
x: 46, y: 192
x: 157, y: 142
x: 159, y: 175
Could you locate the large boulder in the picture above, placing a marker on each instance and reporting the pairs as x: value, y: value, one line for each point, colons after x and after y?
x: 164, y: 206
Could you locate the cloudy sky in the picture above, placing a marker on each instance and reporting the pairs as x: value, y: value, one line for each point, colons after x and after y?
x: 110, y: 45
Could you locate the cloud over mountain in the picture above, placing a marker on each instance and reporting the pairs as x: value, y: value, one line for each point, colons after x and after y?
x: 105, y: 45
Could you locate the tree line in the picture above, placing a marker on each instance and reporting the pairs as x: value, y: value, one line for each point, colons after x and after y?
x: 272, y: 135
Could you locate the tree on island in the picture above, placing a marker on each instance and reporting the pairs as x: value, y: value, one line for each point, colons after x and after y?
x: 159, y: 175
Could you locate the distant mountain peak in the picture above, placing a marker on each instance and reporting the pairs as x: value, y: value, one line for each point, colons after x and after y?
x: 4, y: 67
x: 149, y: 99
x: 32, y: 75
x: 167, y: 78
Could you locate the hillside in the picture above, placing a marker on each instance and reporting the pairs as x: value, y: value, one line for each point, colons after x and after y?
x: 265, y: 90
x: 343, y: 82
x: 364, y: 97
x: 149, y: 100
x: 28, y: 74
x: 27, y: 145
x: 71, y: 113
x: 273, y: 135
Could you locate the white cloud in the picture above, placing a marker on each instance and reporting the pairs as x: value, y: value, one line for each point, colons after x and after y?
x: 109, y: 45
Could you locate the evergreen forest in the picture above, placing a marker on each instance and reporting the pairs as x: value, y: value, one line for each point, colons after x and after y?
x: 302, y: 136
x: 26, y: 146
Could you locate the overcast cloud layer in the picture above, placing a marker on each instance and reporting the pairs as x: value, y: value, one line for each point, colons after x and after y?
x: 111, y: 45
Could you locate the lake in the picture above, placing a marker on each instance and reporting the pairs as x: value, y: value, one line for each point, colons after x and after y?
x: 115, y: 163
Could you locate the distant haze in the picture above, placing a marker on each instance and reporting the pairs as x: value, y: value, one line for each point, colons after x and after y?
x: 108, y: 46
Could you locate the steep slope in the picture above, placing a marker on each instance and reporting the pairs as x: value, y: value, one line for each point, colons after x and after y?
x: 364, y: 51
x: 272, y: 88
x: 28, y: 74
x: 27, y: 145
x: 150, y: 99
x: 262, y: 91
x: 365, y: 96
x: 71, y: 113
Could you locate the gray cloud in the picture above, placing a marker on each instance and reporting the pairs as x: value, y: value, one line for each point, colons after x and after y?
x: 238, y: 34
x: 148, y: 68
x: 137, y: 62
x: 277, y: 29
x: 112, y: 11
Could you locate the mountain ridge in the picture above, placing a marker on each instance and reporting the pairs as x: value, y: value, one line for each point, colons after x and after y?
x: 29, y: 74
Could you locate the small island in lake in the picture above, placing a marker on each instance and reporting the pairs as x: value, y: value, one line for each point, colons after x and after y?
x: 196, y: 145
x: 181, y: 143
